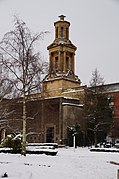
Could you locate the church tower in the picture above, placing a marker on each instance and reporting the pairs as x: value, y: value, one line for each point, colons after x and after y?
x: 61, y: 74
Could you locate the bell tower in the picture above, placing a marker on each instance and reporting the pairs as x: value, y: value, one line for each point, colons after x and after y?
x: 61, y: 60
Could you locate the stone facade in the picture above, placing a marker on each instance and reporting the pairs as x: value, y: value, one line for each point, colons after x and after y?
x: 47, y: 119
x: 60, y: 105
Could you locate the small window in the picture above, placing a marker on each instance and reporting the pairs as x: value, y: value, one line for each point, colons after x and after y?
x: 62, y: 32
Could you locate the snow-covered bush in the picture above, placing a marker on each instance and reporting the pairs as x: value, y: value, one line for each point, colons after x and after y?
x: 12, y: 141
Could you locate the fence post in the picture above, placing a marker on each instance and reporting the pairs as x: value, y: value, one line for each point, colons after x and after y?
x: 118, y: 174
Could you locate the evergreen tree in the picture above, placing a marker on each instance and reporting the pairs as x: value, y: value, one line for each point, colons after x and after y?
x: 75, y: 130
x: 98, y: 110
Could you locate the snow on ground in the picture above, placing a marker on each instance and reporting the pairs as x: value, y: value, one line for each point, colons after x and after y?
x: 67, y: 164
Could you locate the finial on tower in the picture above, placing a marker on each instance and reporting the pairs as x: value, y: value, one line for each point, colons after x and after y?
x: 62, y: 17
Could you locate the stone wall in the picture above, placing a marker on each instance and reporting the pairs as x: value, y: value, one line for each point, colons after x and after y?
x: 46, y: 115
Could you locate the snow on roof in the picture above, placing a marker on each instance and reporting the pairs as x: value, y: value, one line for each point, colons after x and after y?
x: 72, y: 104
x: 65, y: 97
x: 72, y: 90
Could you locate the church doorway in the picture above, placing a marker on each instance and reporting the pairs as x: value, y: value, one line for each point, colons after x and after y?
x: 50, y: 135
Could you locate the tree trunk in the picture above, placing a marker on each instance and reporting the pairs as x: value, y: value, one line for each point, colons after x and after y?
x: 23, y: 152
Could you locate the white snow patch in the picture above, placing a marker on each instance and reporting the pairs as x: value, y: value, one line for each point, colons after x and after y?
x: 67, y: 164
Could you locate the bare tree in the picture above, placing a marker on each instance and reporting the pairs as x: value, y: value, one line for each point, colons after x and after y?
x: 96, y: 79
x: 5, y: 90
x: 24, y: 66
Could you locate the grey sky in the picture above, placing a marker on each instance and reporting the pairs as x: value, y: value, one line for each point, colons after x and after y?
x: 94, y: 30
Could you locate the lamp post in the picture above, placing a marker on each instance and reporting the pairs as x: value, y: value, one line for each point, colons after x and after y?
x: 74, y: 140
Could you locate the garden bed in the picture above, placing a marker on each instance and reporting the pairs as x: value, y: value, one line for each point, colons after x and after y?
x: 104, y: 150
x: 48, y: 149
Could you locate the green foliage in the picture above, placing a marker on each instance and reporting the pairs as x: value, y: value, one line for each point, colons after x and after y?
x: 99, y: 116
x: 7, y: 142
x: 98, y: 110
x: 12, y: 141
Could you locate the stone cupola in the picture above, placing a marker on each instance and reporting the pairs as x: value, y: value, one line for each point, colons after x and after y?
x: 61, y: 58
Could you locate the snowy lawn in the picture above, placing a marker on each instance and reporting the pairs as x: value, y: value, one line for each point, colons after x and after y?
x: 67, y: 164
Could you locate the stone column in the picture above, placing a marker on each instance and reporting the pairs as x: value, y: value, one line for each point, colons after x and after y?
x: 59, y: 61
x: 64, y: 62
x: 50, y: 68
x: 60, y: 120
x: 72, y: 61
x: 42, y: 122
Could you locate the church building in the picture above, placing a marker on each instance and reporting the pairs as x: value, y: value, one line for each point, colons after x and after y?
x: 60, y: 104
x: 62, y: 96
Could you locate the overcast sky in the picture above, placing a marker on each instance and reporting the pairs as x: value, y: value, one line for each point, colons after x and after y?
x: 94, y: 30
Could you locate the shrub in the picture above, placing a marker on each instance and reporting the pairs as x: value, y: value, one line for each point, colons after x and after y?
x: 12, y: 141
